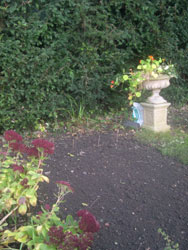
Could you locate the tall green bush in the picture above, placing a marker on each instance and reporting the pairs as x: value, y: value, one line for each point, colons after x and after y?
x: 57, y: 55
x: 174, y: 44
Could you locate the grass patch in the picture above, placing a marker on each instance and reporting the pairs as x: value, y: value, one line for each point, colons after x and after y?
x: 172, y: 143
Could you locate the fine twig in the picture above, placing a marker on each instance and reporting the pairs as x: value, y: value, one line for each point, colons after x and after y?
x: 11, y: 212
x: 94, y: 201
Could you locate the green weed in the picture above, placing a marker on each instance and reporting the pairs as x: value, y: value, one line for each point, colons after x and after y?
x: 170, y: 245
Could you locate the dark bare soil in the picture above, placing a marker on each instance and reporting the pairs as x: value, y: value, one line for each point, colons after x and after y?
x: 131, y: 189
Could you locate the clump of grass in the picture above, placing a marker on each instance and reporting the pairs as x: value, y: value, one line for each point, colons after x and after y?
x: 172, y: 143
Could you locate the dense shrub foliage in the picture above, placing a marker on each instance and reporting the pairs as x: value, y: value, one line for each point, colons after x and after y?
x: 57, y: 56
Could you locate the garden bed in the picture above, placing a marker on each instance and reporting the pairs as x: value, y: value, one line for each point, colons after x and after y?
x: 131, y: 189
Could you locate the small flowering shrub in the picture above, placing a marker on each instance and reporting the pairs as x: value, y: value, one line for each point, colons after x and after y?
x: 21, y: 172
x: 147, y: 69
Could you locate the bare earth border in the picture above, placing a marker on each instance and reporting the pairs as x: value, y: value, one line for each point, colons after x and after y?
x: 131, y: 189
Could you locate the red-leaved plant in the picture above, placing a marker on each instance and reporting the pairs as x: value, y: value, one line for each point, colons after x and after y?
x: 21, y: 172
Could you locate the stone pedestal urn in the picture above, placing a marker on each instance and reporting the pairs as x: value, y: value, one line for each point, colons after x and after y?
x: 156, y: 84
x: 155, y: 108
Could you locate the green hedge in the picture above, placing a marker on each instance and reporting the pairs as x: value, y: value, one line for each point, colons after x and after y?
x: 59, y: 55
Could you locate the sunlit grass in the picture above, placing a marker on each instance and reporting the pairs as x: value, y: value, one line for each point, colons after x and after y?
x: 172, y: 143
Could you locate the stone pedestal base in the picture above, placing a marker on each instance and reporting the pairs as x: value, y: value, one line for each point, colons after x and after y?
x: 155, y: 116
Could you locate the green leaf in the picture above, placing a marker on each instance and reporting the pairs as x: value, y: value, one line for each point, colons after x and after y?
x: 44, y: 233
x: 69, y: 220
x: 33, y: 201
x: 42, y: 246
x: 30, y: 193
x: 125, y: 77
x: 21, y: 237
x: 22, y: 209
x: 138, y: 94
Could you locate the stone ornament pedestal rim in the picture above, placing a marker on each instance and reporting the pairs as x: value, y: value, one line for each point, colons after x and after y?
x: 156, y: 85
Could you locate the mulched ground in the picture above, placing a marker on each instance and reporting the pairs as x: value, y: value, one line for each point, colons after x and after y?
x: 131, y: 189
